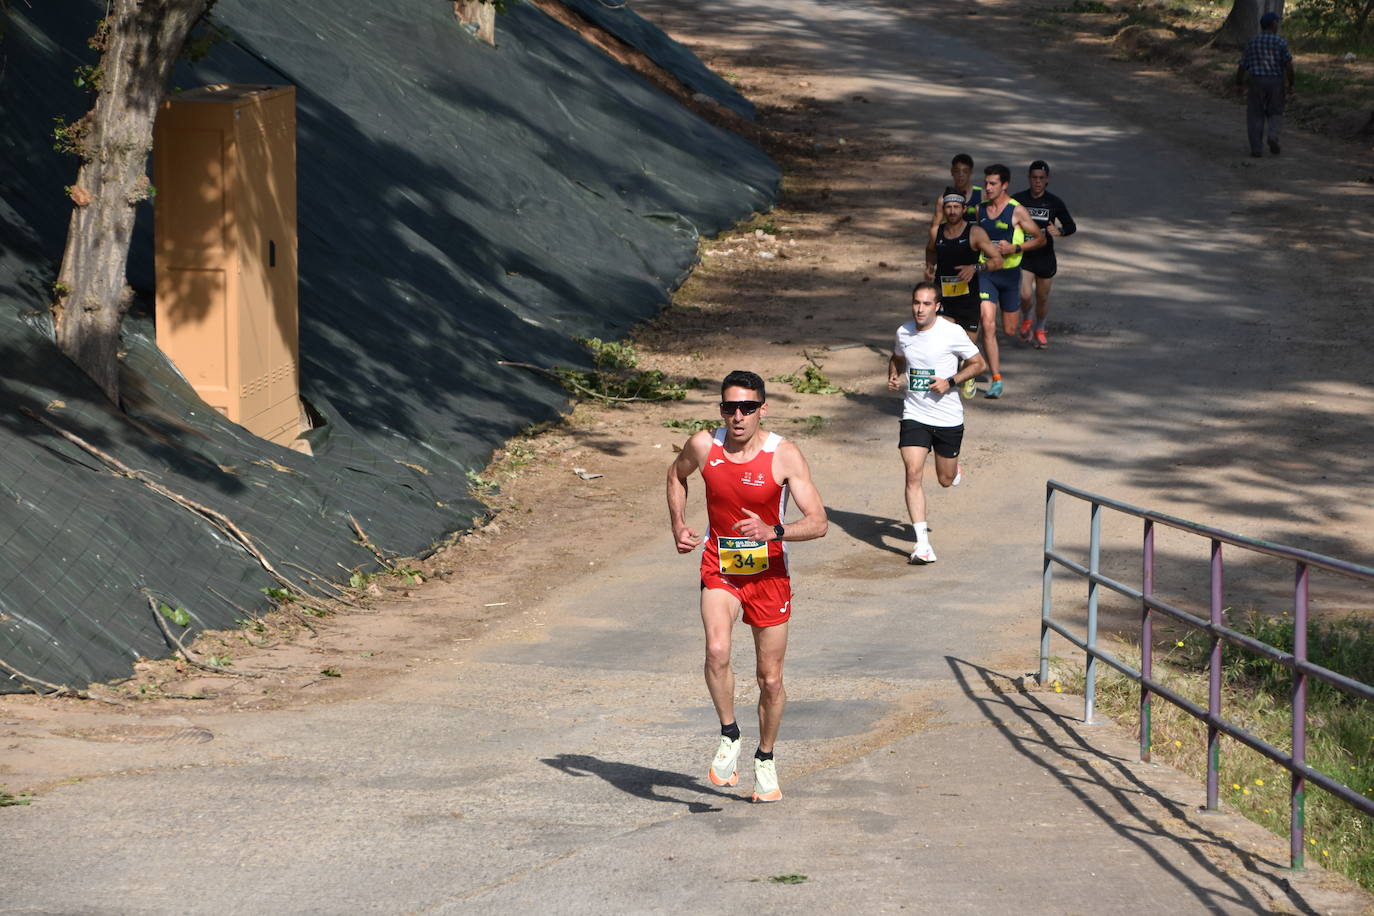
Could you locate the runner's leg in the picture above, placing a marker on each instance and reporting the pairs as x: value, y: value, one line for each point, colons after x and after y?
x: 914, y: 460
x: 770, y: 645
x: 1029, y: 288
x: 946, y: 469
x: 719, y: 611
x: 987, y: 330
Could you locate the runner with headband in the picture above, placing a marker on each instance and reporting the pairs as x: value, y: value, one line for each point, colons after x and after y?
x: 959, y: 248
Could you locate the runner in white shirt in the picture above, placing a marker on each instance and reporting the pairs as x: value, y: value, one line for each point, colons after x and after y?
x: 926, y: 364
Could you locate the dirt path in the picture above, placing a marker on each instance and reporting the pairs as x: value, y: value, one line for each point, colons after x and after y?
x: 1200, y: 363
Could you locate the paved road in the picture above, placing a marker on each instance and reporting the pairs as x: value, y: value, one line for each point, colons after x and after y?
x: 562, y: 768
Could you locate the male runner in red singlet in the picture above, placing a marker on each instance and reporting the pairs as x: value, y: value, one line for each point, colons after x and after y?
x: 748, y: 473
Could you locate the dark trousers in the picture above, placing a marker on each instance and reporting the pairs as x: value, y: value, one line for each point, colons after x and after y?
x: 1265, y: 103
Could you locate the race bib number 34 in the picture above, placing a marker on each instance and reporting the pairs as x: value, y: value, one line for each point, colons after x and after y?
x: 742, y: 556
x: 919, y: 379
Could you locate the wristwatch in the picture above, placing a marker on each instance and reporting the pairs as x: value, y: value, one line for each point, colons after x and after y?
x: 952, y: 382
x: 777, y: 529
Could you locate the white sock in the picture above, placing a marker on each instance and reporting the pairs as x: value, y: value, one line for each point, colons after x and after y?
x: 922, y: 530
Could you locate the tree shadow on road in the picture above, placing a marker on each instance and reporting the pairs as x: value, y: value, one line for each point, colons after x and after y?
x: 638, y: 781
x: 1091, y: 777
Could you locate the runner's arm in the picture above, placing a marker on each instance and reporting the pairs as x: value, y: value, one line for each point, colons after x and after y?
x: 930, y: 252
x: 1066, y: 224
x: 896, y: 365
x: 684, y: 466
x: 1034, y: 237
x: 979, y: 239
x: 792, y: 468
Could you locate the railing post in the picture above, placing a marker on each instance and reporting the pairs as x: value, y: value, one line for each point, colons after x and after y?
x: 1297, y: 794
x: 1214, y: 683
x: 1046, y: 585
x: 1147, y: 635
x: 1094, y: 557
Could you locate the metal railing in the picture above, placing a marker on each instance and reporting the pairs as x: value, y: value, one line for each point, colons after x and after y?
x: 1296, y: 661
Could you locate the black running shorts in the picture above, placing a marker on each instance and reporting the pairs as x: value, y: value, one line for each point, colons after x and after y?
x: 943, y: 440
x: 1040, y: 262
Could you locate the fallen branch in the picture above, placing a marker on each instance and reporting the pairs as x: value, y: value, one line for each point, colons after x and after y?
x: 58, y: 690
x: 175, y: 642
x: 216, y: 518
x: 364, y: 541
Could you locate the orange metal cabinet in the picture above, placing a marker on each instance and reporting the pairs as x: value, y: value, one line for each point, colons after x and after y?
x: 224, y: 167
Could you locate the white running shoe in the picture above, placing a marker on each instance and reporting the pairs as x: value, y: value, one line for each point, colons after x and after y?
x: 958, y: 475
x: 923, y: 554
x: 724, y: 771
x: 766, y: 781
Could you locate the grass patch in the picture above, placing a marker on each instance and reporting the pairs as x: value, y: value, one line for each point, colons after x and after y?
x: 1255, y: 696
x: 693, y: 426
x: 8, y: 801
x: 811, y: 381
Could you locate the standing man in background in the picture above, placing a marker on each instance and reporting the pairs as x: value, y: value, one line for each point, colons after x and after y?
x: 1039, y: 265
x: 1269, y: 64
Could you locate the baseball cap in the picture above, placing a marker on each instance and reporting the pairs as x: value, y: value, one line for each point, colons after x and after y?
x: 1269, y: 18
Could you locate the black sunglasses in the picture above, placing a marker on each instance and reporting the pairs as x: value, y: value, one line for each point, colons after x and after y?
x: 728, y: 408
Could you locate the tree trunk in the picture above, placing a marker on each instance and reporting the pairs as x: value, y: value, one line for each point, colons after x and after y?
x: 141, y: 41
x: 1242, y: 23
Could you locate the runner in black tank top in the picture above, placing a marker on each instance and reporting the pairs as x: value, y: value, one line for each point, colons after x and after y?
x: 952, y: 261
x: 958, y: 297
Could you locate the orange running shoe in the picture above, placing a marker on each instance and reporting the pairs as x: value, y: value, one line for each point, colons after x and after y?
x: 1025, y: 332
x: 1041, y: 343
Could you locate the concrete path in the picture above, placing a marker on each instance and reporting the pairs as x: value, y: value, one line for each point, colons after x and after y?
x: 561, y: 767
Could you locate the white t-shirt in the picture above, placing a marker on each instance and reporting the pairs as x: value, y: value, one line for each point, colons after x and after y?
x: 930, y: 354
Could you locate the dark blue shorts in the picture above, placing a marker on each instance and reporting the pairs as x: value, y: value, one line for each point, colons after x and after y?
x: 1002, y: 288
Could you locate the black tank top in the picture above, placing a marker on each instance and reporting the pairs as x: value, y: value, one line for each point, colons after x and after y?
x: 950, y: 255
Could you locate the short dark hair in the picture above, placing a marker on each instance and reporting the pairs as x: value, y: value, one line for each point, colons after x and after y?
x: 1001, y: 171
x: 743, y: 378
x: 926, y: 284
x: 961, y: 159
x: 1039, y: 164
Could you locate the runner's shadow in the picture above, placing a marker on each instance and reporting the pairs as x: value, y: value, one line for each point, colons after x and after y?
x: 638, y: 781
x: 874, y: 530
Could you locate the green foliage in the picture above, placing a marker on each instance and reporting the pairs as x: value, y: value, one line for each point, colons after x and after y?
x: 811, y: 424
x: 277, y: 594
x: 811, y: 381
x: 178, y: 615
x: 1336, y: 18
x: 330, y: 672
x: 221, y: 661
x: 88, y: 77
x: 8, y: 801
x: 409, y: 576
x: 68, y: 137
x: 1256, y: 696
x: 615, y: 375
x: 359, y: 579
x: 478, y: 486
x: 790, y: 878
x: 692, y: 426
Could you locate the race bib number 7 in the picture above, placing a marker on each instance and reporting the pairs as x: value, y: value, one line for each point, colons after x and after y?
x: 742, y: 556
x: 919, y: 379
x: 952, y: 287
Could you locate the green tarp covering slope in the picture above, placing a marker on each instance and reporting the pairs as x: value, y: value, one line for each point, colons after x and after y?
x: 458, y: 204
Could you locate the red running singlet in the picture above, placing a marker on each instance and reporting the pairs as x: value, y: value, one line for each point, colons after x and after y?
x: 732, y: 487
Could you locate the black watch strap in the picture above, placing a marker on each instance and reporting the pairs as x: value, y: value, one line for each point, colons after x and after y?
x: 777, y: 529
